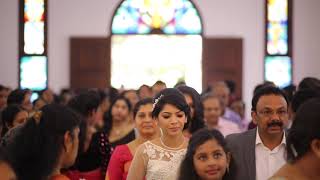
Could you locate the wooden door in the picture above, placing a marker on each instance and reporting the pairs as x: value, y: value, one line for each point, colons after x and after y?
x: 222, y: 60
x: 90, y: 62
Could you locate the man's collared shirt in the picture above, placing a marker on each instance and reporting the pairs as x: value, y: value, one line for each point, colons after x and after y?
x: 269, y: 161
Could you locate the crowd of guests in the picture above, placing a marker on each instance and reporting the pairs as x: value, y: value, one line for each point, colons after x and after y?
x: 160, y: 133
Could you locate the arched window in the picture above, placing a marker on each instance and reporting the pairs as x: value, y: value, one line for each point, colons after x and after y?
x: 156, y: 40
x: 278, y: 48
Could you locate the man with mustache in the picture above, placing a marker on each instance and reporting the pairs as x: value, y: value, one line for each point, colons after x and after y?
x: 259, y: 153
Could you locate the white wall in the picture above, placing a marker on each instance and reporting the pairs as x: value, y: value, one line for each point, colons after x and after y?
x: 9, y: 42
x: 306, y: 29
x: 225, y: 18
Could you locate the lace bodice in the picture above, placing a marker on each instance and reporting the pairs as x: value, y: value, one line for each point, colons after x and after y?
x: 156, y: 163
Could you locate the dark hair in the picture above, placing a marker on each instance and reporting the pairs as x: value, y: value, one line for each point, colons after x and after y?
x: 85, y: 102
x: 159, y: 82
x: 309, y: 83
x: 17, y: 96
x: 187, y: 169
x: 263, y: 85
x: 170, y: 96
x: 40, y: 93
x: 108, y: 115
x: 140, y: 103
x: 289, y: 91
x: 267, y: 90
x: 40, y: 142
x: 304, y: 129
x: 2, y: 87
x: 301, y: 96
x: 8, y: 116
x: 231, y: 85
x: 113, y: 94
x: 196, y: 122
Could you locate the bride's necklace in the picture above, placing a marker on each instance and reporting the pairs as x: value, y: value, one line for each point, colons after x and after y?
x: 179, y: 147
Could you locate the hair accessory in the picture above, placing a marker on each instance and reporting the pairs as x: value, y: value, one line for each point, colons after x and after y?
x: 37, y: 116
x: 293, y: 150
x: 157, y: 100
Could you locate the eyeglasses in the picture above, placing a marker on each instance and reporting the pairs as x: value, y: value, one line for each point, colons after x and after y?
x: 269, y: 113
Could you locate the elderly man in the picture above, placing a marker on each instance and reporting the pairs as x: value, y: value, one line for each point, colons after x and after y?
x: 221, y: 90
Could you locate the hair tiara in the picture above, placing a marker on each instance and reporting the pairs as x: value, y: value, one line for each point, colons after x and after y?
x: 157, y: 100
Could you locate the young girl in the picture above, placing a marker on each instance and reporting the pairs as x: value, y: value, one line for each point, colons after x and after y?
x: 207, y: 157
x: 123, y: 154
x: 160, y: 158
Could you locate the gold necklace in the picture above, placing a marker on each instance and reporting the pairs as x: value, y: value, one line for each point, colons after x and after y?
x: 179, y: 147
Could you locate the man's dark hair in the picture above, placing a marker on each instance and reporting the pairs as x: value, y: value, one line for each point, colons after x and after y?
x: 268, y: 90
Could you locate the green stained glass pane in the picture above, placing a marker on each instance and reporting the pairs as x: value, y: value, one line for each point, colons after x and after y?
x: 277, y: 27
x: 33, y: 72
x: 169, y: 16
x: 278, y: 69
x: 34, y: 27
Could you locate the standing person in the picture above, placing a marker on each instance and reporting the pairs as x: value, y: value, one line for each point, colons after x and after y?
x: 207, y: 157
x: 259, y: 153
x: 21, y: 97
x: 212, y: 115
x: 221, y: 90
x: 47, y: 143
x: 123, y: 154
x: 303, y: 145
x: 195, y: 122
x: 238, y: 106
x: 132, y: 96
x: 12, y: 116
x: 86, y: 104
x: 118, y: 130
x: 160, y: 158
x: 145, y: 91
x: 157, y: 87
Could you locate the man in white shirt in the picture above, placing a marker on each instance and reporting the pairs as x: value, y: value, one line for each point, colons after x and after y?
x: 259, y: 153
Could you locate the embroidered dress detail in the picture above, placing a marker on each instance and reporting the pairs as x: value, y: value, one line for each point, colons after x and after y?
x: 162, y: 164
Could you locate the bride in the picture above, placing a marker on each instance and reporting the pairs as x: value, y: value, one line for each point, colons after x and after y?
x: 160, y: 158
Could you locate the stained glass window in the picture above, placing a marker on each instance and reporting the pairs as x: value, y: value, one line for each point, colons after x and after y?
x: 34, y: 26
x: 278, y: 70
x: 33, y: 60
x: 156, y: 40
x: 168, y: 16
x: 277, y: 26
x: 278, y: 58
x: 33, y: 72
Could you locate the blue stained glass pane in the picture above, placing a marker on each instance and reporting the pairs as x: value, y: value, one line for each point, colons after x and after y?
x: 277, y: 29
x: 278, y: 69
x: 33, y: 72
x: 170, y: 16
